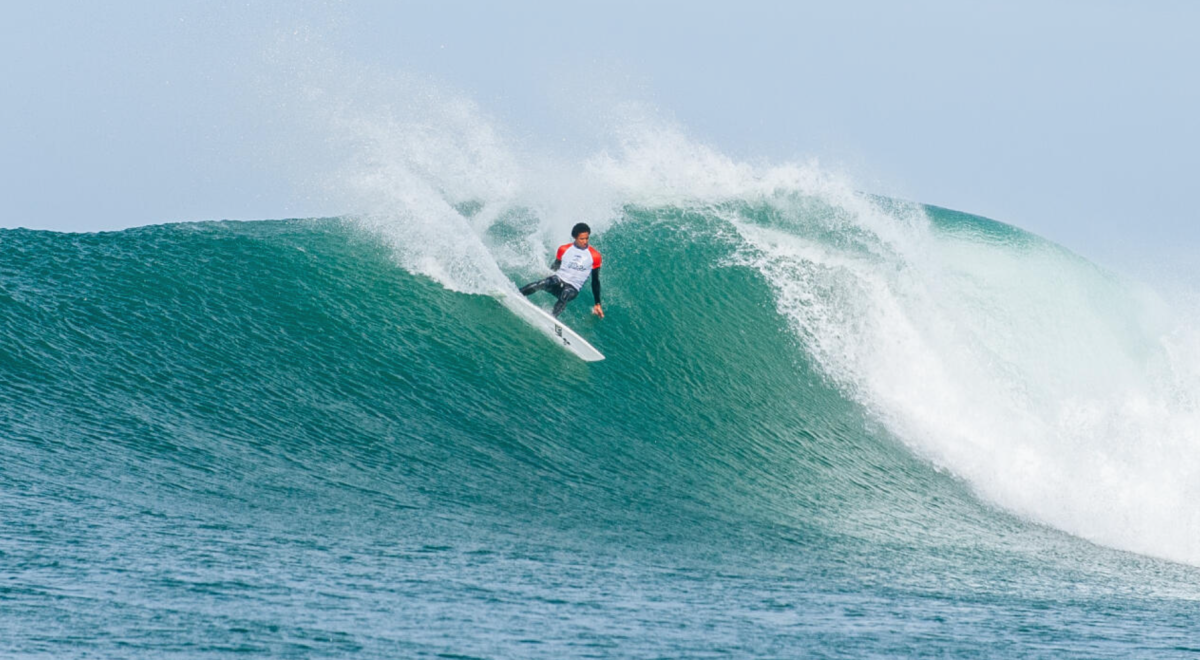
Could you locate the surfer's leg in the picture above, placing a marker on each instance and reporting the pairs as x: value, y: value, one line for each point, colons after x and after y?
x: 540, y: 285
x: 566, y: 295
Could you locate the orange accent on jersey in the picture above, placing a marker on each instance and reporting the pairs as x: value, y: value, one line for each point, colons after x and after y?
x: 595, y: 254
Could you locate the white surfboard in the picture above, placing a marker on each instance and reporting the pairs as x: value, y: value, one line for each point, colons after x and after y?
x: 550, y: 326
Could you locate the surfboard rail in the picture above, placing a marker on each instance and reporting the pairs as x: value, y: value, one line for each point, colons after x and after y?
x: 550, y: 326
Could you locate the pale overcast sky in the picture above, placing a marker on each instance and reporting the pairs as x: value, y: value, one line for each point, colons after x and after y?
x: 1079, y: 121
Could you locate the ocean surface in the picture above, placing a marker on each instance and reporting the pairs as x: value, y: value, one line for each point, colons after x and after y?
x: 829, y: 425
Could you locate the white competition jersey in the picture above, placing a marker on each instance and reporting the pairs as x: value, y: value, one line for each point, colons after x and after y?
x: 577, y: 264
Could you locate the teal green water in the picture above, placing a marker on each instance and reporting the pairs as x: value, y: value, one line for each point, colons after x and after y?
x: 269, y: 439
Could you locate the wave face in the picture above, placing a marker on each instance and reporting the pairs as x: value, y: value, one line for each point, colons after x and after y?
x: 820, y: 411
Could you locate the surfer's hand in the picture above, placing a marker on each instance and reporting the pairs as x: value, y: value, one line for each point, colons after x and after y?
x: 597, y: 311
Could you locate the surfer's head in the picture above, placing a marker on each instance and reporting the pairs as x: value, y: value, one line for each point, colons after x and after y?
x: 581, y: 233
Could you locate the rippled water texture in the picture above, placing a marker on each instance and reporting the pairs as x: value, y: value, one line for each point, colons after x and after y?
x: 824, y: 429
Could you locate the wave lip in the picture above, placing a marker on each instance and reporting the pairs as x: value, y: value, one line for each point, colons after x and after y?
x: 282, y: 394
x: 1058, y: 391
x: 1055, y: 388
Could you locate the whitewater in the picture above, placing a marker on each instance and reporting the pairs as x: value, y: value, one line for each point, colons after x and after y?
x: 830, y: 424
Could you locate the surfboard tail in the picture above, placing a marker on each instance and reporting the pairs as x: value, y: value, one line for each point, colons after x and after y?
x: 556, y: 330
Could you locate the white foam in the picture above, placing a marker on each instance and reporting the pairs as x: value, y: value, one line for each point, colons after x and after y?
x: 401, y: 155
x: 1058, y: 391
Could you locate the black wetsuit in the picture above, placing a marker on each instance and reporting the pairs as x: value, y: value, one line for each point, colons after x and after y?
x: 561, y: 290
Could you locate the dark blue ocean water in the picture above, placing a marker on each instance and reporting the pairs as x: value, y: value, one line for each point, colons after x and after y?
x: 269, y: 439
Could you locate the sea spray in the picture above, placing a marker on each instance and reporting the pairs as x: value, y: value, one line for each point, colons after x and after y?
x: 270, y: 436
x: 1044, y: 381
x: 1057, y: 390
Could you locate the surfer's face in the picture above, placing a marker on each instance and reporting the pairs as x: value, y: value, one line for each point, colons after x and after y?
x: 581, y: 240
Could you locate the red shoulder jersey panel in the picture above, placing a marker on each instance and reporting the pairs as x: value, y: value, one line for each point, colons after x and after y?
x: 562, y: 249
x: 576, y: 265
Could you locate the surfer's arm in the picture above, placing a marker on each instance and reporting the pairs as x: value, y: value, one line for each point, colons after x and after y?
x: 596, y: 309
x: 562, y: 249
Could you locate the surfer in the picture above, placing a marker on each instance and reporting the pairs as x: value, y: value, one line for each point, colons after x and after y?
x: 573, y: 263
